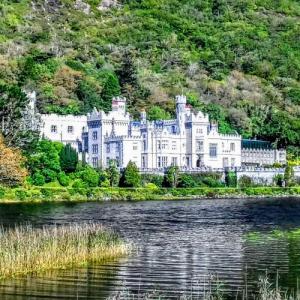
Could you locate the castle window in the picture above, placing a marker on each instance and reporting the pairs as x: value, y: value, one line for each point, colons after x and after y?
x: 107, y: 148
x: 70, y: 129
x: 164, y: 144
x: 174, y: 161
x: 174, y: 145
x: 95, y: 149
x: 164, y: 161
x: 213, y: 150
x: 233, y: 162
x: 95, y: 135
x: 158, y: 145
x: 144, y: 145
x: 53, y: 128
x: 199, y: 146
x: 95, y: 162
x: 232, y: 146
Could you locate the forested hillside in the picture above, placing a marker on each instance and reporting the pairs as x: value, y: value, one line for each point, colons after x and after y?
x: 239, y: 60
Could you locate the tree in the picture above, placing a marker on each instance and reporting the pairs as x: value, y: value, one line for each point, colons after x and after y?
x: 111, y: 89
x: 12, y: 171
x: 158, y: 113
x: 68, y: 159
x: 113, y: 174
x: 45, y: 160
x: 89, y: 176
x: 172, y: 177
x: 230, y: 178
x: 288, y: 175
x: 13, y: 104
x: 131, y: 176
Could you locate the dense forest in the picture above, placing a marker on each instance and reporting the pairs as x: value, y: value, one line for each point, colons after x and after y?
x: 238, y: 60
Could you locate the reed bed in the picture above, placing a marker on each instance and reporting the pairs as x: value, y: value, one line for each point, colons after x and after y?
x: 25, y: 249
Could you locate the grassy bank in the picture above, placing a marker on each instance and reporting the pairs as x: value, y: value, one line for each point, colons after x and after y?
x: 138, y: 194
x: 25, y: 250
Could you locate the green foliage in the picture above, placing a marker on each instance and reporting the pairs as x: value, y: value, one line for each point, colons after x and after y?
x: 157, y: 113
x: 221, y: 52
x: 45, y: 161
x: 288, y: 175
x: 68, y: 159
x: 152, y: 178
x: 63, y: 179
x: 111, y: 89
x: 187, y: 181
x: 38, y: 179
x: 89, y: 176
x: 131, y: 176
x: 245, y: 181
x: 171, y: 177
x: 113, y: 174
x: 230, y: 179
x: 278, y: 180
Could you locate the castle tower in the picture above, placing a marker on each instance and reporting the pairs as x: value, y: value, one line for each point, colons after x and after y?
x: 119, y: 105
x: 143, y: 116
x: 180, y: 105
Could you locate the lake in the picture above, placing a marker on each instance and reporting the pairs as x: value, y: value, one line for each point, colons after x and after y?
x: 180, y: 245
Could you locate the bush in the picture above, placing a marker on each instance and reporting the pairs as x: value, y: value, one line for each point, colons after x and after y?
x: 63, y: 179
x: 21, y: 194
x: 89, y: 176
x: 230, y: 179
x: 49, y: 175
x: 2, y: 192
x: 152, y: 178
x: 187, y: 181
x: 278, y: 180
x: 245, y: 181
x: 38, y: 179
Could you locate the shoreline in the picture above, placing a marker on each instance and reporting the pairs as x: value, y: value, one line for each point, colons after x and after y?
x: 54, y: 194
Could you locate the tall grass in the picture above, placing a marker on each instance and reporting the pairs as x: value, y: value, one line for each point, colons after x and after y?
x: 26, y: 249
x: 212, y: 289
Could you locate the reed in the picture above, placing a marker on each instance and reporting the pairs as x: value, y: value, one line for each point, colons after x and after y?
x: 25, y: 249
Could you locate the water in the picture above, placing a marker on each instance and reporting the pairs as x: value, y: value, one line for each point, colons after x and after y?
x: 180, y: 244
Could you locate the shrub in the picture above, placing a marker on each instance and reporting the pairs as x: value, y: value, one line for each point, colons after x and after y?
x: 89, y: 175
x: 152, y: 178
x: 187, y: 181
x: 63, y: 179
x: 230, y: 179
x: 278, y: 180
x: 68, y: 158
x: 21, y: 194
x: 171, y: 177
x: 2, y: 192
x: 245, y: 181
x: 38, y: 179
x: 49, y: 175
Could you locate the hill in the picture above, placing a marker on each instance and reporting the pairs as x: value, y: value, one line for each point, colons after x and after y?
x: 238, y: 60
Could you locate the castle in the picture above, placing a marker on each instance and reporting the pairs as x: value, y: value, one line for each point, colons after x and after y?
x: 189, y: 141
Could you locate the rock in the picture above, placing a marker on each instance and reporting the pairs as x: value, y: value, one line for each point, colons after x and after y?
x: 82, y: 6
x: 108, y: 4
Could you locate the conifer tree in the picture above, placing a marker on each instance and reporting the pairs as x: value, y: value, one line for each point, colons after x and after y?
x: 111, y: 89
x: 68, y: 159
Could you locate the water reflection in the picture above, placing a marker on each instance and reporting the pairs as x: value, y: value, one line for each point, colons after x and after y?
x: 179, y: 242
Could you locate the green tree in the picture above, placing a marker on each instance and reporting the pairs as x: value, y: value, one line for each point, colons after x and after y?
x: 230, y: 178
x: 89, y: 176
x: 68, y: 159
x: 113, y: 174
x: 288, y: 175
x: 171, y: 177
x: 15, y: 130
x: 131, y: 176
x: 111, y: 89
x: 158, y: 113
x: 45, y: 160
